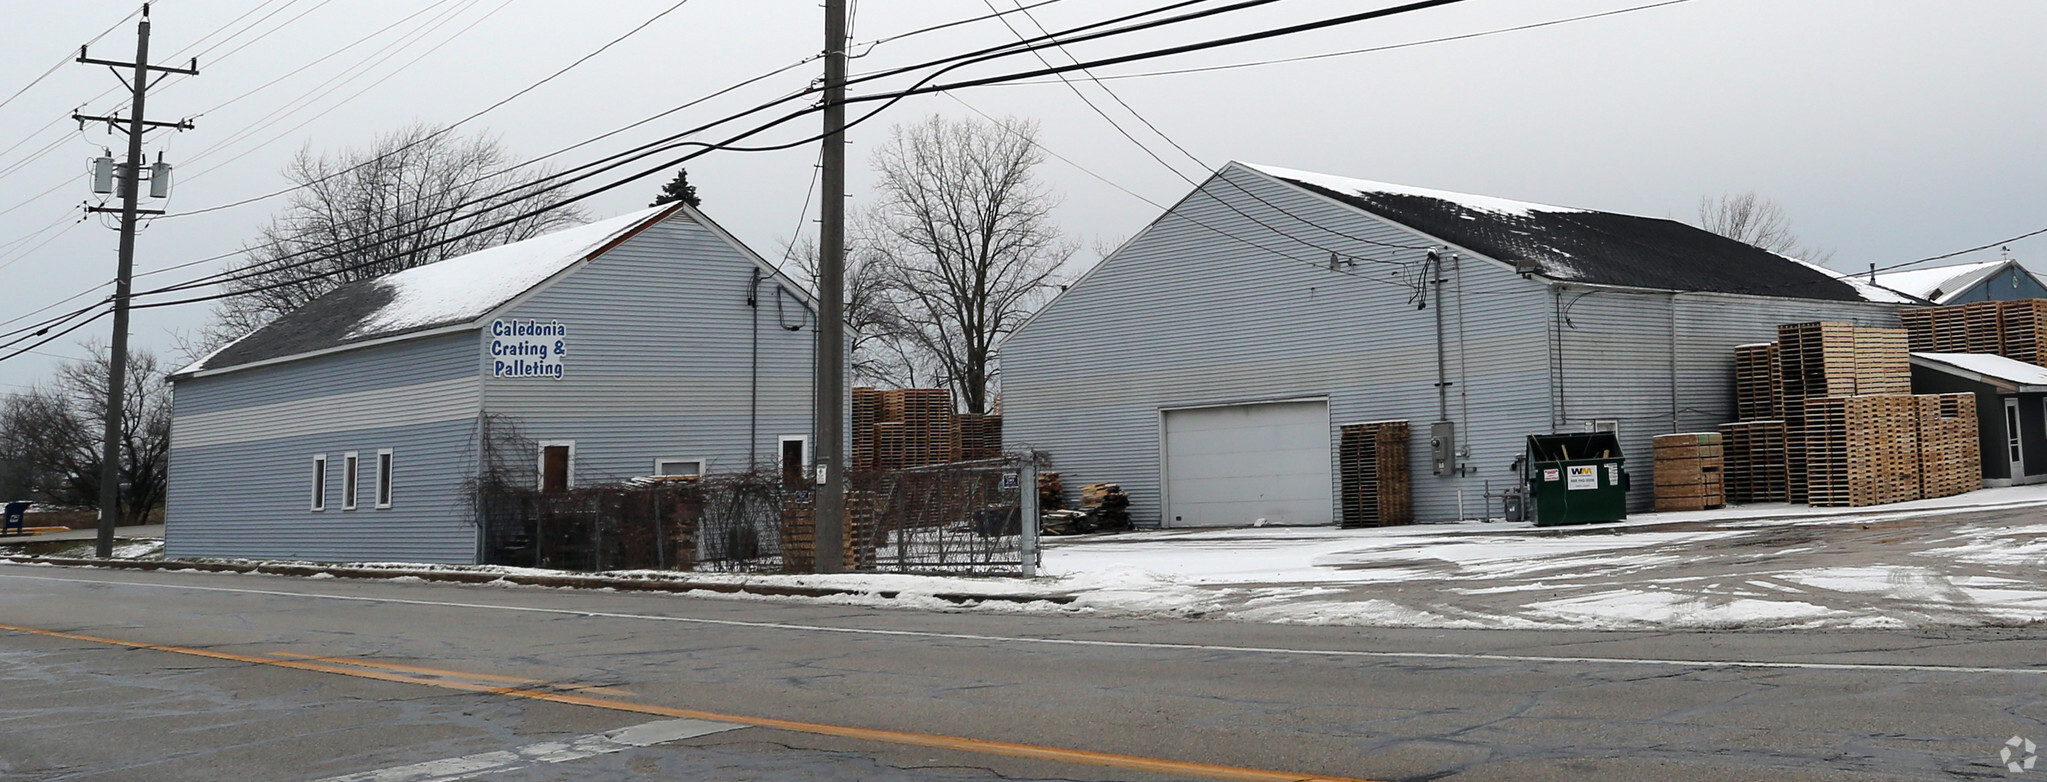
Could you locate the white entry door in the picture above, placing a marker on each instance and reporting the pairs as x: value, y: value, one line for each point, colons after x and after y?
x: 1233, y: 465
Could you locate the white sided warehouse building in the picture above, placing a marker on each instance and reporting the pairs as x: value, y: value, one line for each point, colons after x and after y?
x: 1208, y: 364
x: 353, y: 429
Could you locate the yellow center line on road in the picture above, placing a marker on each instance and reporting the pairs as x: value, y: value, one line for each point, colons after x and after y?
x: 392, y: 673
x: 597, y: 688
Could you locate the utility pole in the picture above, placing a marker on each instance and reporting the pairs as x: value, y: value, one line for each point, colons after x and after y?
x: 131, y: 193
x: 829, y: 405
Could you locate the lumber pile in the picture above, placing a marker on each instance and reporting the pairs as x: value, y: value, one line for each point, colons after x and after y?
x: 1688, y: 471
x: 1754, y: 468
x: 1375, y: 480
x: 1107, y: 503
x: 1837, y: 425
x: 1950, y: 454
x: 1051, y: 491
x: 980, y: 436
x: 1983, y: 324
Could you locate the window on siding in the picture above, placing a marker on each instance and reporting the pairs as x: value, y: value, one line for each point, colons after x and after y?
x: 795, y: 457
x: 557, y: 465
x: 678, y: 467
x: 384, y: 478
x: 349, y: 484
x: 319, y: 481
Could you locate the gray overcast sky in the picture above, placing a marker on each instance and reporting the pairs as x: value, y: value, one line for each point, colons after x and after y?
x: 1888, y: 129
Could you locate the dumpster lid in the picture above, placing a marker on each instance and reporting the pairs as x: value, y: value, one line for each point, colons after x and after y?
x: 1572, y: 446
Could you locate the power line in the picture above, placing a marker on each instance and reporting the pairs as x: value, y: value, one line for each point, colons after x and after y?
x: 729, y: 144
x: 614, y: 161
x: 66, y: 60
x: 1369, y: 50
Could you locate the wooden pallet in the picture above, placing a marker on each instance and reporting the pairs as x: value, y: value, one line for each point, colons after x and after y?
x: 1950, y: 453
x: 1687, y: 470
x: 1862, y: 450
x: 1920, y: 332
x: 1984, y: 323
x: 1883, y: 362
x: 1374, y: 476
x: 1758, y: 388
x: 2024, y: 327
x: 1815, y: 360
x: 1753, y: 462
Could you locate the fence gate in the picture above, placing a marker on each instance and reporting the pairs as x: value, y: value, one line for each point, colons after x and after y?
x: 967, y: 518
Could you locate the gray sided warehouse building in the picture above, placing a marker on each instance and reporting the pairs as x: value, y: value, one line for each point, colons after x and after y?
x: 1208, y: 363
x: 650, y: 343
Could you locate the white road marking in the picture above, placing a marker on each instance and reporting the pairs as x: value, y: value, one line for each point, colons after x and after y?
x: 1013, y: 639
x: 451, y: 769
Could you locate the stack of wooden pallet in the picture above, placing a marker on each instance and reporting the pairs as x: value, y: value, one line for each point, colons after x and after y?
x: 1757, y: 387
x: 2025, y: 330
x: 1950, y: 455
x: 980, y: 436
x: 912, y: 427
x: 1374, y: 479
x: 1936, y: 329
x: 1688, y: 471
x: 1862, y: 450
x: 1753, y: 455
x: 1984, y: 321
x: 1814, y: 360
x: 799, y: 532
x: 1883, y: 361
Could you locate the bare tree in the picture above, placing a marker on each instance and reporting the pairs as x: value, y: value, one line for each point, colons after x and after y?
x: 880, y: 349
x: 52, y: 434
x: 360, y: 214
x: 962, y: 239
x: 1756, y: 220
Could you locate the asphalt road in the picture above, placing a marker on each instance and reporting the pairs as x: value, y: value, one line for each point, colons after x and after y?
x: 113, y: 675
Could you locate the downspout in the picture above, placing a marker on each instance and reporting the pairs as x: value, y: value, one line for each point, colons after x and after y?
x: 753, y: 395
x: 1435, y: 269
x: 1558, y: 413
x: 1673, y: 361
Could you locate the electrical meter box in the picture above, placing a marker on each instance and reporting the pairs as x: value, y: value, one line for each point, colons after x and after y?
x: 1443, y: 447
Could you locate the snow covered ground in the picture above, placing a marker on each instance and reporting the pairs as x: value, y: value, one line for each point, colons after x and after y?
x: 1965, y: 561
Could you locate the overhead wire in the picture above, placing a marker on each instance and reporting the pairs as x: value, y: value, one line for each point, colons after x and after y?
x: 671, y: 142
x: 888, y: 99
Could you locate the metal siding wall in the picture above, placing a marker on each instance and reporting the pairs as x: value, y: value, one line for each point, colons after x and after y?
x: 659, y: 358
x: 1184, y: 315
x: 1617, y: 361
x: 383, y: 366
x: 250, y: 497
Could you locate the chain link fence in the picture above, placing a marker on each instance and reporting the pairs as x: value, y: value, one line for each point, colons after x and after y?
x: 954, y: 519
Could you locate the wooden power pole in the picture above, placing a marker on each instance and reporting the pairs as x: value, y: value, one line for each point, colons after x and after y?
x: 829, y: 407
x: 131, y: 193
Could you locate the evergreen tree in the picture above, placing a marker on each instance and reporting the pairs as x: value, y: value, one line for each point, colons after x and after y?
x: 678, y: 189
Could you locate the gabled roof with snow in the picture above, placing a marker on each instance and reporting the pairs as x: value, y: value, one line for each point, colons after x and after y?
x: 1581, y: 245
x: 460, y: 291
x: 2010, y: 375
x: 1942, y: 284
x: 1868, y: 290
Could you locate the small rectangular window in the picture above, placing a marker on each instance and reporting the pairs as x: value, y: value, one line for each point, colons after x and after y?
x: 671, y: 468
x: 319, y: 481
x: 384, y: 478
x: 349, y: 482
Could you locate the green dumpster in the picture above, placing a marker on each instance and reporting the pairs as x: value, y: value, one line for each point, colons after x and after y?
x: 1576, y: 478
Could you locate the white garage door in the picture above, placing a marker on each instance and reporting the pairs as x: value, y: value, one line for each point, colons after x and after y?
x: 1234, y: 465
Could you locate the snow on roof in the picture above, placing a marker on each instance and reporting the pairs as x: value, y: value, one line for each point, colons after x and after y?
x: 1869, y: 292
x: 1942, y: 283
x: 453, y: 292
x: 1479, y: 203
x: 468, y: 287
x: 1581, y: 245
x: 1991, y: 367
